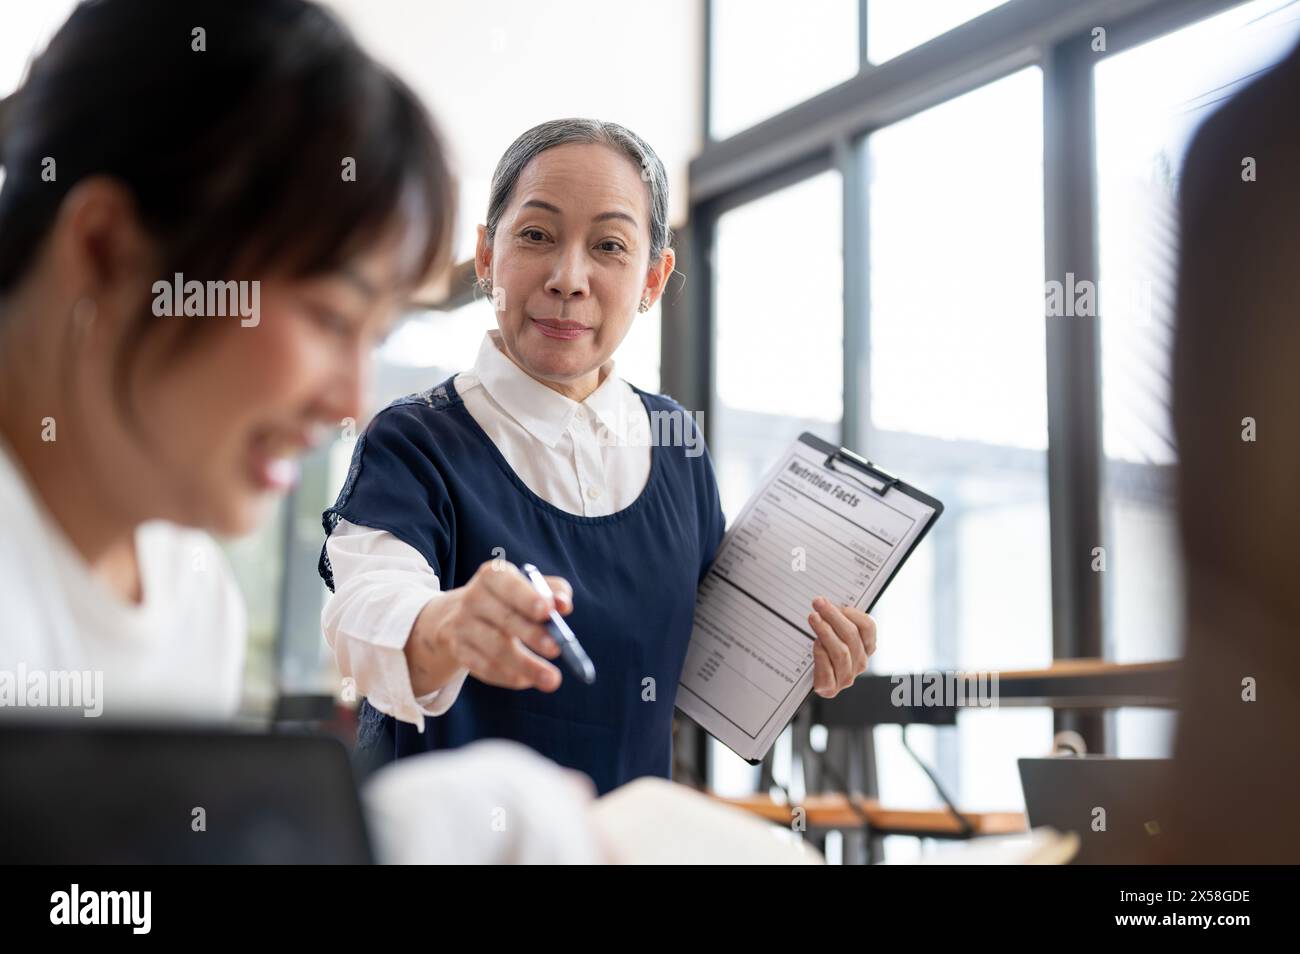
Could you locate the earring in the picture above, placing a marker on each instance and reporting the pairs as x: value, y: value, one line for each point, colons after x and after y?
x: 645, y: 303
x: 485, y: 286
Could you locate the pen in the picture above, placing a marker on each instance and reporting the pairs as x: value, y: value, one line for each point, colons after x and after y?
x: 571, y: 650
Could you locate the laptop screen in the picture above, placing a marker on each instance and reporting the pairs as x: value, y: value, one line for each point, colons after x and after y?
x: 90, y: 795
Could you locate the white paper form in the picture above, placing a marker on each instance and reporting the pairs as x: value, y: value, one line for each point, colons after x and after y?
x: 809, y: 531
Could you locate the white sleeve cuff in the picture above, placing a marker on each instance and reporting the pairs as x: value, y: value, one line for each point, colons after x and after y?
x: 381, y: 586
x: 440, y: 700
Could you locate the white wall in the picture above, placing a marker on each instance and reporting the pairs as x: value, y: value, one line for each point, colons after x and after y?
x: 490, y: 69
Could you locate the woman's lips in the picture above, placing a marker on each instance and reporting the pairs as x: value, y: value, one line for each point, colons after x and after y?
x: 275, y: 473
x: 274, y: 462
x: 557, y: 328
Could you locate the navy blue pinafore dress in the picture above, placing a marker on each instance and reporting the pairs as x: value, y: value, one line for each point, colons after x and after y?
x: 426, y: 472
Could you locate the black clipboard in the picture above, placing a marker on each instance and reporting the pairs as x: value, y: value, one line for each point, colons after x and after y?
x: 846, y: 463
x: 866, y: 475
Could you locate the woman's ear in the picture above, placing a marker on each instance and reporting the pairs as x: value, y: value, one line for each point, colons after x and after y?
x: 100, y: 246
x: 482, y: 254
x: 656, y: 277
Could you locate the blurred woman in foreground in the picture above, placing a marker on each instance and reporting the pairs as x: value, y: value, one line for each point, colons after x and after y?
x: 191, y: 282
x: 1237, y: 419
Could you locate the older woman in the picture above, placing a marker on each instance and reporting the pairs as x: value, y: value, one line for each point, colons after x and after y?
x: 538, y: 455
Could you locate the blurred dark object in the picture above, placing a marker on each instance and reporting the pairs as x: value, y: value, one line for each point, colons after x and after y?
x: 85, y: 794
x: 1236, y: 355
x: 1069, y: 793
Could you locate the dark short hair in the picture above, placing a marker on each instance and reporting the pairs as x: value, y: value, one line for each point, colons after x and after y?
x: 234, y: 155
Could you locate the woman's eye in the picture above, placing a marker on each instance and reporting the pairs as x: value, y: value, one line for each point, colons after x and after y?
x: 534, y: 235
x: 330, y: 320
x: 609, y: 245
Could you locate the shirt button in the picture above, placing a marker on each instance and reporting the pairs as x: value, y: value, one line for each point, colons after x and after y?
x: 593, y: 492
x: 580, y: 414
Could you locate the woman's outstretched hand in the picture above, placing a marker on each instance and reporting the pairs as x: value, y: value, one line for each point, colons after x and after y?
x: 494, y: 626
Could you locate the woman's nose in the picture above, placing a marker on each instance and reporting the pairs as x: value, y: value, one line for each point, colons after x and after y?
x: 348, y: 392
x: 569, y: 277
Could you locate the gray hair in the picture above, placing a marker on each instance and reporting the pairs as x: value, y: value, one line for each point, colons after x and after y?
x: 560, y: 132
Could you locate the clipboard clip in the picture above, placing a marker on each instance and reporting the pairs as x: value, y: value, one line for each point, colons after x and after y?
x: 887, y: 480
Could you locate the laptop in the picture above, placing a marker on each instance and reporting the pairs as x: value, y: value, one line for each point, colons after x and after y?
x: 121, y: 794
x: 1083, y: 793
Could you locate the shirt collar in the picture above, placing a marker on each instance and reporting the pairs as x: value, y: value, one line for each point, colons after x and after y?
x: 544, y: 412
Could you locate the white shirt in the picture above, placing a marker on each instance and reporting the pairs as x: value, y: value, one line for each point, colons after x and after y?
x: 180, y: 652
x: 590, y: 458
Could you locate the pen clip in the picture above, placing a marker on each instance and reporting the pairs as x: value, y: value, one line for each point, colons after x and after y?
x: 887, y: 480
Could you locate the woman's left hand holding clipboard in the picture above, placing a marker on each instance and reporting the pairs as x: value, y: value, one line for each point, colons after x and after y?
x: 846, y: 637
